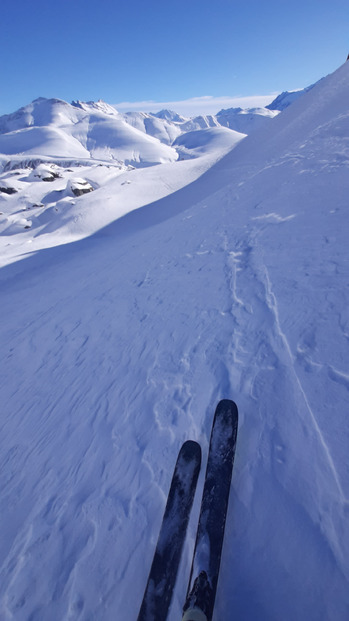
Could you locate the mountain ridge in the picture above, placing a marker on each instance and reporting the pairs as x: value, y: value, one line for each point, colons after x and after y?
x: 101, y: 130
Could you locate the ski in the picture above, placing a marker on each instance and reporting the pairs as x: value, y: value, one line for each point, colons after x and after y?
x: 204, y: 573
x: 163, y: 572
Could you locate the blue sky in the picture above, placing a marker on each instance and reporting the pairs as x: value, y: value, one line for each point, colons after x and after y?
x: 166, y: 52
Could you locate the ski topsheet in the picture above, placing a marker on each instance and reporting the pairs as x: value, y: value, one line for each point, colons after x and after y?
x: 209, y: 540
x: 163, y: 572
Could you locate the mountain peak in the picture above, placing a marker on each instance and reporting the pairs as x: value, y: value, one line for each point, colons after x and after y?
x: 95, y: 106
x: 169, y: 115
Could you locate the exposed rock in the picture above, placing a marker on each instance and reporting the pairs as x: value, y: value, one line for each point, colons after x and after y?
x: 79, y: 186
x: 45, y: 172
x: 51, y: 177
x: 7, y: 190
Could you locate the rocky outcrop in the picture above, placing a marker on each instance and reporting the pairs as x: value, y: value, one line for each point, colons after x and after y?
x: 79, y: 186
x: 8, y: 190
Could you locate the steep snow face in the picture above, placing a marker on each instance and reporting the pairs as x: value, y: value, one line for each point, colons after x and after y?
x: 116, y: 349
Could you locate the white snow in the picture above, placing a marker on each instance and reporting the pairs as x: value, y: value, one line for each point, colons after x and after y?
x: 230, y: 280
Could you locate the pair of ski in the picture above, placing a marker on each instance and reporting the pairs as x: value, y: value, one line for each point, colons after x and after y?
x: 203, y: 580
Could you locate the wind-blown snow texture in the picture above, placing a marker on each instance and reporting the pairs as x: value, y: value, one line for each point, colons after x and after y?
x: 116, y: 348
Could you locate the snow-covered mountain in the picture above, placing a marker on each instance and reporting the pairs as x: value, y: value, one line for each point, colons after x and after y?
x: 55, y: 129
x: 285, y: 99
x: 79, y: 130
x: 95, y: 130
x: 229, y: 280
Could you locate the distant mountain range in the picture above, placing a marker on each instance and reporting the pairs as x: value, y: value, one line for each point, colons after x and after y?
x: 96, y: 130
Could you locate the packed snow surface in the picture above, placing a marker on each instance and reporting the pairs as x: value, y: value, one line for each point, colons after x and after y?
x: 229, y: 281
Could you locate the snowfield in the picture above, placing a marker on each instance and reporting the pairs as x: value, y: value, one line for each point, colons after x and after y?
x: 127, y: 313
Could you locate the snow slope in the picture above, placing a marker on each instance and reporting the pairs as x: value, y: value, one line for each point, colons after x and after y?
x: 116, y: 348
x: 37, y: 202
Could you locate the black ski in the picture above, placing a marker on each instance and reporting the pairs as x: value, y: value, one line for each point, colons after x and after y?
x: 163, y: 572
x: 209, y: 539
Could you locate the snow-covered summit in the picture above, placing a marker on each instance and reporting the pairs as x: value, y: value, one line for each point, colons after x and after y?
x: 95, y: 106
x: 169, y: 115
x: 39, y: 113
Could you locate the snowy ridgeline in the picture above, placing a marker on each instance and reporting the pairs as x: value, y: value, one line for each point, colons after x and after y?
x: 230, y: 281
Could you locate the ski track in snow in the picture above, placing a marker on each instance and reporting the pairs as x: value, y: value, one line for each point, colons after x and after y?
x: 259, y: 348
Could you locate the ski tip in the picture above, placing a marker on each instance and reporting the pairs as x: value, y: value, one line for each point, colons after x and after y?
x: 227, y: 404
x: 190, y: 449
